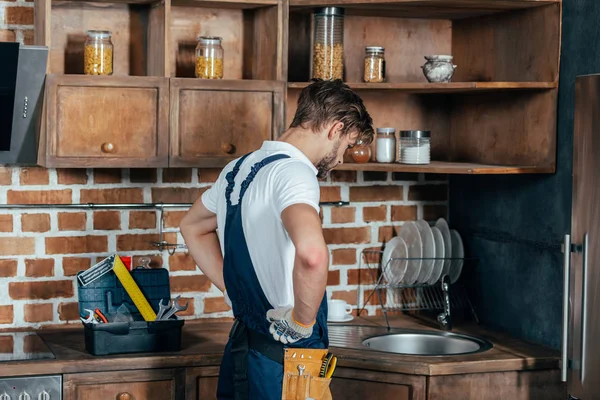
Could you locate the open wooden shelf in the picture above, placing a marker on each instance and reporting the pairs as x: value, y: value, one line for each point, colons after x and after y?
x: 443, y: 167
x: 234, y: 4
x: 452, y: 87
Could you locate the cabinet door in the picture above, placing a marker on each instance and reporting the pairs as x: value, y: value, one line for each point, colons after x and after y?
x: 164, y: 384
x: 201, y: 383
x: 349, y: 383
x: 213, y: 122
x: 100, y: 121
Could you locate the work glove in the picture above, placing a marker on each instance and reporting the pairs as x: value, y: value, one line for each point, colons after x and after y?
x: 285, y: 328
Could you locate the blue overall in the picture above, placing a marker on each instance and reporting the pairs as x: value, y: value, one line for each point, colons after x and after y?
x: 246, y: 373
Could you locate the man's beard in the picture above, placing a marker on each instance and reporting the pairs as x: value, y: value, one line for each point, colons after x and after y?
x: 328, y: 162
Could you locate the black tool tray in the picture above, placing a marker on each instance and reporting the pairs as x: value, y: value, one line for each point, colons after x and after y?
x: 107, y: 294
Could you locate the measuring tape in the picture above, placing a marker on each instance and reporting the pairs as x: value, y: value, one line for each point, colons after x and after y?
x: 133, y: 290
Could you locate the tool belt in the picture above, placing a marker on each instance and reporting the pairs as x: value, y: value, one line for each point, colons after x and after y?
x: 304, y: 370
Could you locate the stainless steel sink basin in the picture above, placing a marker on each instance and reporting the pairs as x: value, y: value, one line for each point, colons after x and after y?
x: 426, y: 343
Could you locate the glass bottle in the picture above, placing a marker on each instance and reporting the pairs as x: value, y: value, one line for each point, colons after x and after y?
x: 374, y: 64
x: 209, y: 57
x: 360, y: 152
x: 98, y: 53
x: 415, y: 147
x: 386, y: 145
x: 328, y: 47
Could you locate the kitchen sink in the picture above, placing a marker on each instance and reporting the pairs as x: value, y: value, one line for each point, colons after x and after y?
x: 426, y: 343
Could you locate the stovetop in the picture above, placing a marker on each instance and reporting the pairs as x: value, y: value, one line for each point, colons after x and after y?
x: 22, y: 346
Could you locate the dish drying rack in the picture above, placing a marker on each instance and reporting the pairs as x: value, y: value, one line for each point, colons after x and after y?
x: 441, y: 296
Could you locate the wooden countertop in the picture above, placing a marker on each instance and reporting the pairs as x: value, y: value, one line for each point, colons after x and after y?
x: 203, y: 342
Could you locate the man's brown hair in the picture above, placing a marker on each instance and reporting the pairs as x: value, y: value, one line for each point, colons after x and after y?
x: 325, y: 101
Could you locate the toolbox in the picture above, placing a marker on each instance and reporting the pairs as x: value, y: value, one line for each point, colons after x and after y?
x: 107, y: 294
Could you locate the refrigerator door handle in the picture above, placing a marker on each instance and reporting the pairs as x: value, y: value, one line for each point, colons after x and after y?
x: 584, y: 307
x: 565, y: 316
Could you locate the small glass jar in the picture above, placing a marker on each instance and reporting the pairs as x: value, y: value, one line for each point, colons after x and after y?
x: 386, y: 145
x: 374, y: 64
x: 360, y: 152
x: 328, y: 47
x: 98, y: 53
x: 209, y: 58
x: 415, y: 147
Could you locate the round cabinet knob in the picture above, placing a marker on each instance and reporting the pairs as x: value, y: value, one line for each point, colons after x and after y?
x: 228, y: 148
x: 24, y: 396
x: 4, y: 396
x: 108, y: 148
x: 44, y: 396
x: 124, y: 396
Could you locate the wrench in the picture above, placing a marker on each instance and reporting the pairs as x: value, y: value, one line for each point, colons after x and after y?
x: 162, y: 309
x: 176, y: 308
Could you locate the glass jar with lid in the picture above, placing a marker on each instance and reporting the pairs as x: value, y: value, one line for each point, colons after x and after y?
x: 386, y: 145
x: 328, y: 47
x: 415, y: 147
x: 360, y: 152
x: 209, y: 57
x: 374, y: 64
x: 98, y: 53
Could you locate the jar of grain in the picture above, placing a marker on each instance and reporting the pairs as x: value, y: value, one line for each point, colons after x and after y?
x: 374, y: 64
x: 209, y: 58
x: 328, y: 47
x: 98, y: 53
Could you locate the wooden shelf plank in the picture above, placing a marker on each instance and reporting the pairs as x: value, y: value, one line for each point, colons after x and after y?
x: 443, y: 167
x: 452, y: 87
x: 235, y: 4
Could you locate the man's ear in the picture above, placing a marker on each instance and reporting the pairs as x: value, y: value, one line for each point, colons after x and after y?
x: 335, y: 130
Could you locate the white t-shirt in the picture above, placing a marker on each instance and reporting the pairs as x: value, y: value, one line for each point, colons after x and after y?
x: 276, y: 186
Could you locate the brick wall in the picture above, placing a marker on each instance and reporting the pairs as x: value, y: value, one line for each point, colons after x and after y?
x: 16, y: 21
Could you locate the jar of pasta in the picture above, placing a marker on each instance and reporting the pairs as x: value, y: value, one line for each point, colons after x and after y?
x: 209, y: 58
x: 374, y: 64
x: 98, y: 53
x: 328, y: 48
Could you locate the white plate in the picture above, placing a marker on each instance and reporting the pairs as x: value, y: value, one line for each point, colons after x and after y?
x: 428, y: 251
x: 394, y: 270
x: 438, y: 266
x: 458, y: 251
x: 346, y: 318
x: 412, y: 238
x: 442, y: 225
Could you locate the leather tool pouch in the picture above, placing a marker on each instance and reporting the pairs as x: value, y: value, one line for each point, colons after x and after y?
x: 301, y: 368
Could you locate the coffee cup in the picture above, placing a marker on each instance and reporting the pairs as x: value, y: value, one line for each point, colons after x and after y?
x: 338, y: 309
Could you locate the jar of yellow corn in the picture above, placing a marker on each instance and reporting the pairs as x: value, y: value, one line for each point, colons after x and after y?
x: 98, y: 53
x: 209, y: 58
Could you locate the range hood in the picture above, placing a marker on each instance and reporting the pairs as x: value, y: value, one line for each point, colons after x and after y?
x: 22, y: 77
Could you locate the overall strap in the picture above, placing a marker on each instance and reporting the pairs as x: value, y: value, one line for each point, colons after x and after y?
x: 231, y: 178
x: 254, y: 170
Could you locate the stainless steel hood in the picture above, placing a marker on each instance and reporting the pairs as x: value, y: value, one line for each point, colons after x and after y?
x: 22, y: 77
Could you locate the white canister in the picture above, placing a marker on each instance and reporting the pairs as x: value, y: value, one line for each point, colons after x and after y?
x: 386, y: 145
x: 415, y: 147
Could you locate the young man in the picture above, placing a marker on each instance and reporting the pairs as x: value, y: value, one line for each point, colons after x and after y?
x: 270, y: 258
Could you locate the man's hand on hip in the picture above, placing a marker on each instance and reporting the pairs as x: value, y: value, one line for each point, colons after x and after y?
x: 285, y: 328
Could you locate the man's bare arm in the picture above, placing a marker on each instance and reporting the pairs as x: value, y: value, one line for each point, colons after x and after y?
x: 311, y: 263
x: 199, y: 230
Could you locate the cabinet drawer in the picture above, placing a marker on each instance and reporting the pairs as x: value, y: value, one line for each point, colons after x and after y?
x: 349, y: 383
x: 213, y: 122
x: 102, y: 121
x: 201, y: 383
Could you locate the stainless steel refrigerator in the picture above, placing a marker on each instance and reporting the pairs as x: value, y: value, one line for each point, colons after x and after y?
x: 581, y: 303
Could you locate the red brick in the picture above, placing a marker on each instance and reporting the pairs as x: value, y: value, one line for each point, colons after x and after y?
x: 436, y: 177
x: 191, y: 309
x: 343, y: 176
x: 35, y: 222
x: 12, y: 246
x: 215, y: 304
x: 6, y: 223
x: 68, y: 311
x: 371, y: 255
x: 5, y: 173
x: 112, y: 196
x: 107, y: 220
x: 39, y: 196
x: 386, y: 233
x: 107, y: 175
x: 28, y: 35
x: 141, y: 242
x: 433, y: 212
x: 190, y: 283
x: 142, y: 219
x: 177, y: 175
x: 372, y: 176
x: 428, y: 192
x: 18, y: 15
x: 34, y: 176
x: 181, y: 262
x: 6, y: 314
x: 176, y: 195
x: 372, y: 214
x: 208, y: 175
x: 376, y: 193
x: 347, y: 235
x: 348, y: 295
x: 405, y: 176
x: 373, y: 299
x: 6, y: 340
x: 343, y: 257
x: 7, y: 35
x: 333, y: 278
x: 39, y: 267
x: 361, y: 276
x: 72, y: 176
x: 39, y: 312
x: 8, y: 268
x: 404, y: 213
x: 330, y: 193
x: 173, y: 218
x: 72, y: 265
x: 40, y: 290
x: 142, y: 175
x: 155, y: 261
x: 76, y: 244
x: 341, y: 215
x: 72, y: 221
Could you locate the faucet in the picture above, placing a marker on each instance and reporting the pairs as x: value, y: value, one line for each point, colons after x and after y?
x: 445, y: 319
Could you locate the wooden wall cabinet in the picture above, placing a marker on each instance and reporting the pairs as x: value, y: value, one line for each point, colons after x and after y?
x: 201, y: 383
